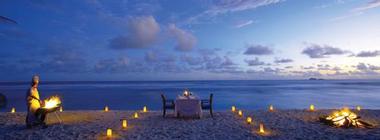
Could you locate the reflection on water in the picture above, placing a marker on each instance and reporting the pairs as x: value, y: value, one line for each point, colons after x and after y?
x: 256, y: 94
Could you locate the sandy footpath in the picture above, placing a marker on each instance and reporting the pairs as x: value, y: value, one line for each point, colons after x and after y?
x: 281, y: 124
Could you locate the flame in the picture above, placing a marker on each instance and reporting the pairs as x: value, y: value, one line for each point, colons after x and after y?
x: 13, y: 110
x: 52, y: 102
x: 109, y: 132
x: 358, y: 108
x: 339, y: 118
x: 145, y: 109
x: 124, y: 124
x: 261, y: 128
x: 249, y: 120
x: 240, y: 113
x: 311, y: 107
x: 106, y: 108
x: 136, y: 115
x: 61, y: 109
x: 271, y: 108
x: 233, y: 108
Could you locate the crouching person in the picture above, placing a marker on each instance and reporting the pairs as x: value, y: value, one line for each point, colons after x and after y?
x: 36, y: 114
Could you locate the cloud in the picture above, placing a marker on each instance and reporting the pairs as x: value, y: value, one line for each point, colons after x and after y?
x: 226, y: 6
x: 322, y: 51
x: 143, y: 32
x: 370, y: 5
x: 7, y: 20
x: 185, y: 41
x: 359, y: 10
x: 255, y: 62
x: 220, y: 7
x: 285, y: 60
x: 253, y: 49
x: 368, y: 54
x: 243, y: 24
x: 367, y: 67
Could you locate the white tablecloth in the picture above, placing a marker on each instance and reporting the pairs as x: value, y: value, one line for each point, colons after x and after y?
x: 188, y: 107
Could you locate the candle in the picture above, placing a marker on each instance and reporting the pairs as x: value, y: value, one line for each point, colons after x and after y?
x: 13, y: 110
x: 145, y: 109
x: 311, y: 107
x: 124, y: 123
x: 262, y: 128
x: 271, y: 108
x: 109, y: 132
x: 136, y: 115
x: 61, y: 109
x: 358, y: 108
x: 106, y: 108
x: 249, y: 120
x: 233, y: 108
x: 240, y: 113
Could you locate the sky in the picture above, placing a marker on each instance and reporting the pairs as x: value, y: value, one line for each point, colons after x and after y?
x: 129, y: 40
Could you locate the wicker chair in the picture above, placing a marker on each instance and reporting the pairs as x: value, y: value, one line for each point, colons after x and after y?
x: 207, y: 104
x: 166, y: 104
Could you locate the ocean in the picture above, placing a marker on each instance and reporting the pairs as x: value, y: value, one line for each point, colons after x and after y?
x: 253, y: 94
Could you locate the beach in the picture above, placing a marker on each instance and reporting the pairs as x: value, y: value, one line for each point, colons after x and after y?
x: 280, y: 124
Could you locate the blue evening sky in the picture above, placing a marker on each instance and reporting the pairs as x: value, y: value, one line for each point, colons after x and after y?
x: 189, y: 39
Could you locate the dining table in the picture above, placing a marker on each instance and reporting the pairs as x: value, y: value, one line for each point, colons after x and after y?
x: 188, y: 106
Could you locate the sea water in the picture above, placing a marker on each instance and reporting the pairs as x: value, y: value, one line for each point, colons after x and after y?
x: 253, y: 94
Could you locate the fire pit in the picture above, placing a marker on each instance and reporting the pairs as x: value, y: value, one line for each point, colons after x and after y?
x: 52, y: 103
x: 346, y: 119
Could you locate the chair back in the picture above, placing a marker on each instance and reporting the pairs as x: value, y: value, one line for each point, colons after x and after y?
x: 211, y: 96
x: 163, y: 99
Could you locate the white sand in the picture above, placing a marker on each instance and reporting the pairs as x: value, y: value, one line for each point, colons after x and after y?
x: 283, y: 124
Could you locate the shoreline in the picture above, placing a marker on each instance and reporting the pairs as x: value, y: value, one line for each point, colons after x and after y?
x: 280, y: 124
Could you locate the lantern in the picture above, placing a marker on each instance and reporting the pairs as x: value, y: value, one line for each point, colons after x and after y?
x: 271, y: 108
x: 311, y: 107
x: 249, y: 120
x: 106, y: 108
x: 136, y: 115
x: 109, y: 132
x: 124, y: 123
x: 13, y: 110
x: 233, y: 108
x: 262, y: 131
x: 145, y: 109
x: 240, y: 113
x: 61, y: 109
x: 358, y: 108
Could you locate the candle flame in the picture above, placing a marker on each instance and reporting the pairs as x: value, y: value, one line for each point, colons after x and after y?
x: 125, y: 124
x: 240, y: 113
x: 311, y: 107
x: 271, y: 108
x: 145, y: 109
x: 358, y: 108
x: 233, y: 108
x: 61, y: 109
x: 13, y: 110
x: 109, y: 132
x: 249, y: 120
x: 52, y: 102
x: 136, y: 115
x: 261, y: 128
x: 106, y: 109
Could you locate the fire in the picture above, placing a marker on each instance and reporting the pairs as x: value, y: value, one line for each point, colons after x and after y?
x: 233, y: 108
x: 345, y: 118
x: 52, y: 102
x: 311, y: 107
x: 145, y: 109
x: 271, y: 108
x: 240, y: 113
x: 109, y: 132
x: 261, y: 130
x: 249, y: 120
